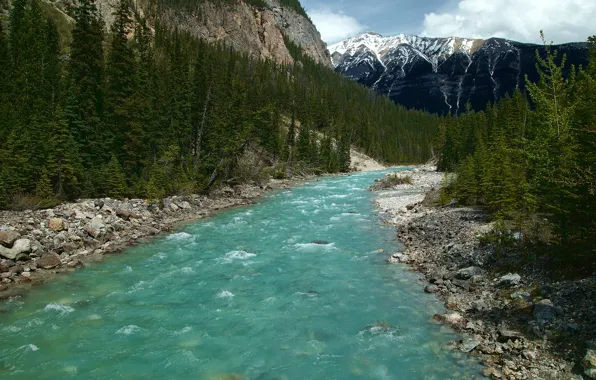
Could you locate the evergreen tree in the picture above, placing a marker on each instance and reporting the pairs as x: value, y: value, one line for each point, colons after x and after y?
x: 120, y: 77
x: 85, y: 103
x: 64, y: 166
x: 115, y: 181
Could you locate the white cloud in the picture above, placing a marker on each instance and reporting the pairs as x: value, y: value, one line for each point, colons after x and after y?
x: 335, y: 26
x: 521, y: 20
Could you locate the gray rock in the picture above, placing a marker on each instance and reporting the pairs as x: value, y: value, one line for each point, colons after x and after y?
x: 184, y: 205
x: 19, y: 246
x: 510, y: 279
x: 521, y: 295
x: 431, y: 289
x: 589, y: 364
x: 126, y: 215
x: 544, y: 311
x: 95, y: 228
x: 507, y: 335
x: 17, y: 269
x: 468, y: 345
x: 467, y: 273
x: 49, y: 260
x: 400, y: 257
x: 7, y: 238
x: 98, y: 203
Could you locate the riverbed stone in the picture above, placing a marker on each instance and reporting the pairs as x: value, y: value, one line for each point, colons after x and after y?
x: 49, y: 260
x: 589, y: 364
x: 507, y: 335
x: 19, y: 246
x: 468, y: 345
x: 7, y: 238
x: 57, y: 224
x: 510, y: 279
x: 431, y: 289
x: 468, y: 273
x: 544, y: 311
x: 95, y: 228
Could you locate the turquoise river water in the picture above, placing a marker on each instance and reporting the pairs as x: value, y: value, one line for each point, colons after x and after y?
x: 243, y: 295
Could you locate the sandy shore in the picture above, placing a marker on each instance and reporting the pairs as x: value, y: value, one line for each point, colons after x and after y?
x: 512, y: 315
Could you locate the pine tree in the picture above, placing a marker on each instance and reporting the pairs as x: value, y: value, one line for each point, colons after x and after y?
x: 64, y: 166
x: 85, y: 103
x: 44, y: 188
x: 120, y: 77
x: 115, y: 181
x: 5, y: 88
x: 303, y: 148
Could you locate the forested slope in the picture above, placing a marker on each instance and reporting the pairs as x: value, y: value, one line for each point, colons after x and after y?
x: 146, y: 110
x: 532, y: 162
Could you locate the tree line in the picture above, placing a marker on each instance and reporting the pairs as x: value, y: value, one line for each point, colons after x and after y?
x: 532, y: 158
x: 149, y: 111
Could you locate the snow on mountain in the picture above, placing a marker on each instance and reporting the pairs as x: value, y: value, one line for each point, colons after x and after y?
x: 442, y: 74
x: 432, y: 50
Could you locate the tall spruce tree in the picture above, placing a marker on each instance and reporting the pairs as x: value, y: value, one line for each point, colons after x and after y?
x: 86, y: 70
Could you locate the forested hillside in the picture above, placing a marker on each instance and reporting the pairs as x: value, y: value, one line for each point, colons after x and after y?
x: 531, y: 159
x: 145, y: 110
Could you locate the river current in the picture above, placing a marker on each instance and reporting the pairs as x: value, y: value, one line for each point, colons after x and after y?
x: 243, y: 295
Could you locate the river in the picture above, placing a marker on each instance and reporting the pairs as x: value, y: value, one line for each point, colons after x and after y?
x: 243, y: 295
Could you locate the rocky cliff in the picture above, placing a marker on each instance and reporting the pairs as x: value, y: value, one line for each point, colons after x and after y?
x: 252, y: 29
x: 442, y: 74
x: 257, y: 30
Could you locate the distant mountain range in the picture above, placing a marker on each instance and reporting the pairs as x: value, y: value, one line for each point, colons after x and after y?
x: 442, y: 74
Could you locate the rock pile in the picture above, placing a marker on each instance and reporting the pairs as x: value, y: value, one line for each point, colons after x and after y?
x: 37, y: 244
x: 520, y: 323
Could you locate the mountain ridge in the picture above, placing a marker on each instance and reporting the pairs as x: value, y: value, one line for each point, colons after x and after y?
x: 442, y: 74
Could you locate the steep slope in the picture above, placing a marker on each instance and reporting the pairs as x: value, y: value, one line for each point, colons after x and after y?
x: 442, y: 74
x: 258, y: 30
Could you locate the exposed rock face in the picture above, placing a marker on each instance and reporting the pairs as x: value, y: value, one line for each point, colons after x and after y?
x: 442, y: 74
x: 247, y: 28
x: 257, y: 31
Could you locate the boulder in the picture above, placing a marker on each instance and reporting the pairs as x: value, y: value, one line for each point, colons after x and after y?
x: 507, y: 335
x: 510, y: 279
x: 7, y: 238
x: 49, y: 260
x: 57, y: 224
x: 184, y: 205
x: 468, y: 273
x: 98, y: 203
x: 468, y: 345
x: 589, y: 364
x: 19, y: 246
x: 95, y: 228
x: 126, y: 214
x: 544, y: 311
x: 399, y: 257
x: 431, y: 289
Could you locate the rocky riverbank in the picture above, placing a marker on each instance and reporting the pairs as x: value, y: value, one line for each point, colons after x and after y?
x: 511, y: 313
x: 37, y: 245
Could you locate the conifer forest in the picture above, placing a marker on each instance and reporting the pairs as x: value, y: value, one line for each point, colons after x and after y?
x: 140, y: 112
x: 530, y: 159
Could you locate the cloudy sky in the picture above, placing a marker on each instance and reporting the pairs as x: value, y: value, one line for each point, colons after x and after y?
x: 521, y: 20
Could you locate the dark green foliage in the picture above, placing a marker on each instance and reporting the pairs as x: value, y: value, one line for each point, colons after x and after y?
x: 115, y: 180
x: 150, y: 115
x: 521, y: 160
x: 63, y: 163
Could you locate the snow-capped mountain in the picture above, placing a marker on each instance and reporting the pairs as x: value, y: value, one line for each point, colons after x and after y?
x: 442, y: 74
